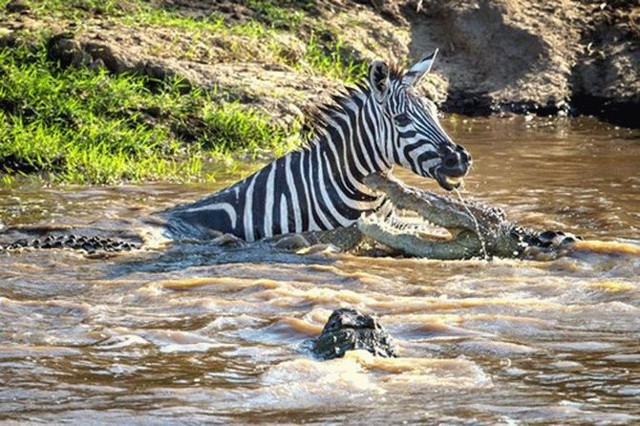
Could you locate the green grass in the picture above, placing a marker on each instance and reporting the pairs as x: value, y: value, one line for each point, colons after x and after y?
x: 256, y: 38
x: 82, y: 126
x: 226, y: 126
x: 335, y: 59
x: 267, y: 13
x: 276, y: 16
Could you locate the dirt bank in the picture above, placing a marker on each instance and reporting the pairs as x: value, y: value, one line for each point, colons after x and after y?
x: 497, y: 56
x: 534, y: 56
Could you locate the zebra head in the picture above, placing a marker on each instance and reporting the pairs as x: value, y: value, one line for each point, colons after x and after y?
x: 418, y: 141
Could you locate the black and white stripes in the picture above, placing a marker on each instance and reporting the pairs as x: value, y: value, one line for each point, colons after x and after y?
x: 320, y: 187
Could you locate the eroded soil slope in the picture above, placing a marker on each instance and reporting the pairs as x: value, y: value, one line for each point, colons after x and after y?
x: 535, y: 55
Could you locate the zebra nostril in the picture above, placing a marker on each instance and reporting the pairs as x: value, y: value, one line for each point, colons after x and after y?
x: 451, y: 160
x: 465, y: 156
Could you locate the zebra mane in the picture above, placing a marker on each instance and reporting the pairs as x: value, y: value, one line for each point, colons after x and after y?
x: 317, y: 119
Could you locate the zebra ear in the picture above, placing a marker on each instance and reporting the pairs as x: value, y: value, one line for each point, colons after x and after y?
x: 379, y: 79
x: 413, y: 76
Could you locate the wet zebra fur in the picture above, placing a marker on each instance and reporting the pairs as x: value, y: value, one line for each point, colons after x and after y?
x: 381, y: 122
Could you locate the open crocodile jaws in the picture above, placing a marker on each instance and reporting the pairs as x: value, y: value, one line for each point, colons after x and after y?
x: 475, y: 229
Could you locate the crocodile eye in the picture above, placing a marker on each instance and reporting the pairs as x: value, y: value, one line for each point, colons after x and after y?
x: 402, y: 119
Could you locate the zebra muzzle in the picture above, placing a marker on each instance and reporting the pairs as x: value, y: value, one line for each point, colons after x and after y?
x: 455, y: 165
x: 453, y: 181
x: 448, y: 182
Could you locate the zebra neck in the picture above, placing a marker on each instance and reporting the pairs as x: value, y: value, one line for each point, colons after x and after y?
x: 354, y: 137
x: 319, y: 187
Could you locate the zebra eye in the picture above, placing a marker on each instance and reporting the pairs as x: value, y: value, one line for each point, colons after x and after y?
x: 402, y: 119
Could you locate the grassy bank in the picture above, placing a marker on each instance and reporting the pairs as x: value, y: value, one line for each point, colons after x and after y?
x: 86, y: 125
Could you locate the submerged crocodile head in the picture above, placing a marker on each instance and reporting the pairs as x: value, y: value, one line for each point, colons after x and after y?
x: 348, y: 329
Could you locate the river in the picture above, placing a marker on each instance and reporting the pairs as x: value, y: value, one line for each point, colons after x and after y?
x: 194, y: 333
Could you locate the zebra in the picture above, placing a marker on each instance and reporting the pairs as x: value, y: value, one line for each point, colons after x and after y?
x: 381, y: 122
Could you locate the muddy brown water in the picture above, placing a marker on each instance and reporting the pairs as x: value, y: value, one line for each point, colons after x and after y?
x: 193, y: 333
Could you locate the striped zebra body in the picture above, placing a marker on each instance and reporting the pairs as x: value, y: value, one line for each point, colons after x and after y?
x: 311, y: 189
x: 320, y: 186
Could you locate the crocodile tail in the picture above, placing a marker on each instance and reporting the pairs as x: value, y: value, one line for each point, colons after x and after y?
x: 90, y: 245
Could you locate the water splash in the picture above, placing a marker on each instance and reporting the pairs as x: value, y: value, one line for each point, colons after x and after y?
x: 483, y: 244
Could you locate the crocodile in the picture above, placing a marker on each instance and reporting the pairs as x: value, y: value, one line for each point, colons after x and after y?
x: 86, y: 239
x: 474, y: 230
x: 74, y: 242
x: 347, y: 330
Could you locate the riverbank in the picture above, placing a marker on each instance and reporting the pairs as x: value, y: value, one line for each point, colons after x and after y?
x: 129, y: 90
